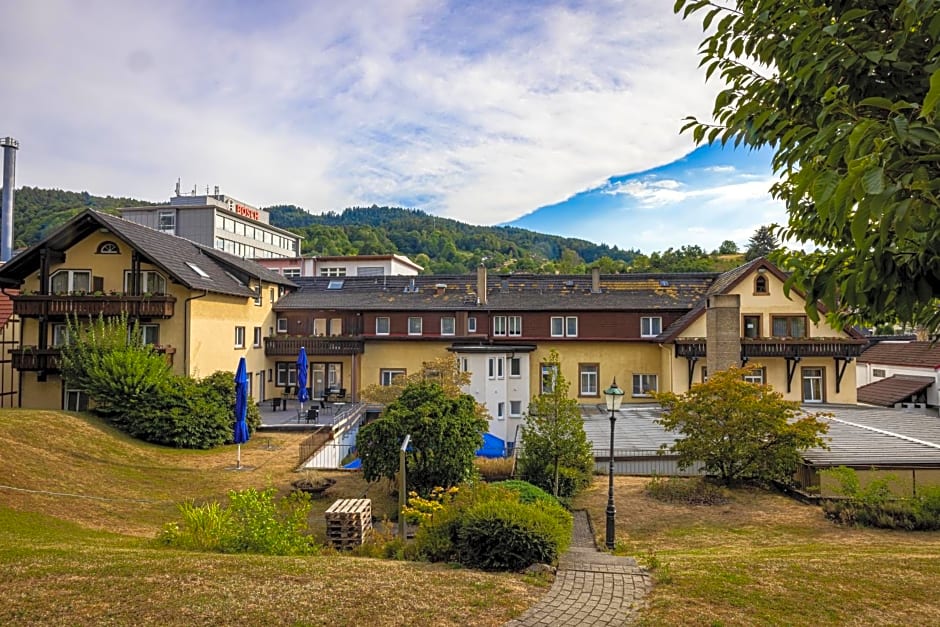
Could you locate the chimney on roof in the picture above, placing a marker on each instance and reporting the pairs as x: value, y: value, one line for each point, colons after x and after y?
x: 440, y: 288
x: 481, y: 284
x: 10, y: 147
x: 722, y: 331
x: 595, y: 280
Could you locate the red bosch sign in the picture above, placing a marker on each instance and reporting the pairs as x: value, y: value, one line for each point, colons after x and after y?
x: 247, y: 212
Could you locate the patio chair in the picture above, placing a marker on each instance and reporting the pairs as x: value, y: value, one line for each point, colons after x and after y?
x: 312, y: 414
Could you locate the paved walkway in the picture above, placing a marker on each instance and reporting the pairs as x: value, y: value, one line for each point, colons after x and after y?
x: 591, y: 587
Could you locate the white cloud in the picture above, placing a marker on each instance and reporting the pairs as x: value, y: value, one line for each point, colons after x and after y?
x: 483, y: 111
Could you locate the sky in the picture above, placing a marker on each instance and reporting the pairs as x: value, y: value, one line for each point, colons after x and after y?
x: 557, y: 116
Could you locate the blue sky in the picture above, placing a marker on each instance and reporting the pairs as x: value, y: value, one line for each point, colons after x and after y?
x: 483, y: 111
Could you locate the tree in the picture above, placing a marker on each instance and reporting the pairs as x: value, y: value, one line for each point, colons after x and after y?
x: 446, y: 430
x: 847, y: 95
x: 556, y: 454
x: 728, y: 247
x: 739, y: 430
x: 761, y: 244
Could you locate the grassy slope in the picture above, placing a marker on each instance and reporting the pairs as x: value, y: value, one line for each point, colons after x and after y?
x: 767, y: 559
x: 78, y: 560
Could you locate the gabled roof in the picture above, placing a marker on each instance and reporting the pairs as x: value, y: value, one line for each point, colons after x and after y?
x: 637, y: 292
x: 225, y: 274
x: 912, y: 354
x: 893, y: 390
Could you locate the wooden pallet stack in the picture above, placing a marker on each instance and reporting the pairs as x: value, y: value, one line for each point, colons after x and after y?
x: 349, y: 522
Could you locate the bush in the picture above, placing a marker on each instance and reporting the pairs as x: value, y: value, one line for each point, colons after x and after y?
x: 489, y: 527
x: 527, y: 492
x: 693, y: 491
x: 876, y: 506
x: 254, y: 522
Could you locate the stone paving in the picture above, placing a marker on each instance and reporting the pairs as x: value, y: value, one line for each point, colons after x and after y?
x: 591, y: 587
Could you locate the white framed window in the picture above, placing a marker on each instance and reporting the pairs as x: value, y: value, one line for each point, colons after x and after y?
x: 150, y: 282
x: 257, y: 337
x: 813, y: 387
x: 150, y: 333
x: 448, y: 325
x: 571, y: 326
x: 239, y: 337
x: 67, y: 281
x: 549, y: 374
x: 108, y: 248
x: 291, y: 273
x: 464, y: 364
x: 500, y: 410
x: 878, y: 372
x: 282, y: 325
x: 382, y: 325
x: 472, y: 324
x: 558, y: 326
x: 643, y: 384
x: 415, y: 325
x: 651, y: 326
x: 340, y: 271
x: 500, y: 372
x: 757, y: 376
x: 491, y: 368
x: 515, y: 367
x: 587, y: 376
x: 285, y: 374
x: 75, y: 400
x: 515, y: 326
x: 319, y: 326
x: 387, y: 376
x: 60, y: 335
x: 166, y: 221
x: 515, y: 409
x: 499, y: 325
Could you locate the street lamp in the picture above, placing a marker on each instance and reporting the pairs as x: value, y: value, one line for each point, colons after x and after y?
x: 614, y: 397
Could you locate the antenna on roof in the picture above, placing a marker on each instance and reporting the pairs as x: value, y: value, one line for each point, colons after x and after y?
x: 177, y: 186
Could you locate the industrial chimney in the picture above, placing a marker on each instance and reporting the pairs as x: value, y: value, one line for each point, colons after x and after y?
x: 10, y: 146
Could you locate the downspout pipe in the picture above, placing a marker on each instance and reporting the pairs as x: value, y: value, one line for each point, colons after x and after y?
x: 186, y: 315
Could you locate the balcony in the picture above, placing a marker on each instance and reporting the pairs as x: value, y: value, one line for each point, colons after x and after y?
x: 801, y: 347
x: 786, y: 348
x: 63, y: 306
x: 32, y: 359
x: 318, y: 345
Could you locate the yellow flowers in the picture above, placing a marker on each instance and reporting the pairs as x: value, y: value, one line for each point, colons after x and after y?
x: 421, y: 510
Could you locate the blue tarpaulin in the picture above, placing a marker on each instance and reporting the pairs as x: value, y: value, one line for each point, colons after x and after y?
x: 492, y: 446
x: 354, y: 464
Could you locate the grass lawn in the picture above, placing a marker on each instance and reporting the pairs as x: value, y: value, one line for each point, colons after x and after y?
x: 766, y: 559
x: 80, y: 505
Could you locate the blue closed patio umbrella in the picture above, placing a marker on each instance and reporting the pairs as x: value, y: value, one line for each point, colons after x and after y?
x: 241, y: 408
x: 302, y: 378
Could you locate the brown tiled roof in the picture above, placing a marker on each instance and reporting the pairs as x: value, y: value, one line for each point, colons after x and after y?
x: 916, y: 354
x: 893, y: 390
x: 667, y: 292
x: 226, y: 274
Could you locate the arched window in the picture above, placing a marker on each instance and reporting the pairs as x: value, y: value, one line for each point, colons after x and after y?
x: 760, y: 285
x: 108, y: 248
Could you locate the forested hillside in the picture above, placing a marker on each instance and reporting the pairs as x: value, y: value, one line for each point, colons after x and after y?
x: 440, y: 245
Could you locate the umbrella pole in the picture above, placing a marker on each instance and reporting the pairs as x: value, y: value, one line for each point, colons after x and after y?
x: 238, y: 463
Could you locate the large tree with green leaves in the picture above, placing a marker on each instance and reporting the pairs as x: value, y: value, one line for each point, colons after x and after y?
x: 445, y: 428
x: 556, y: 454
x: 847, y: 94
x: 739, y: 430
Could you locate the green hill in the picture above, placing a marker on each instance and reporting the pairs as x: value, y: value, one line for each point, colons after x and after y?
x: 440, y: 245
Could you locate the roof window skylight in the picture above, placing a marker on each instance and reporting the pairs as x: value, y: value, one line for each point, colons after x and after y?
x: 335, y: 284
x: 197, y: 270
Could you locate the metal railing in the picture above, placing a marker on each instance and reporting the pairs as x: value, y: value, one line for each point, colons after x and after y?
x: 314, y: 345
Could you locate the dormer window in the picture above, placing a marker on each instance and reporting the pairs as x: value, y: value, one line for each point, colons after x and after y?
x: 760, y: 285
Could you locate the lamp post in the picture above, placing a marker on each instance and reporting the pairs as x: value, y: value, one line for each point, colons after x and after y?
x: 614, y: 396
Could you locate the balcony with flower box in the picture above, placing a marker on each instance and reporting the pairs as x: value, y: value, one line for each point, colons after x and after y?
x: 93, y: 304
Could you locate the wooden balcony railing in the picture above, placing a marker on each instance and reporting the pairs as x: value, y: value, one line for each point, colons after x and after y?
x: 51, y: 305
x: 290, y: 346
x: 780, y: 347
x: 32, y: 359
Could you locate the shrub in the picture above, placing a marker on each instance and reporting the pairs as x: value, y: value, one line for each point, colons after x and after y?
x: 693, y: 491
x: 527, y: 492
x: 254, y: 522
x: 489, y: 527
x: 876, y: 506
